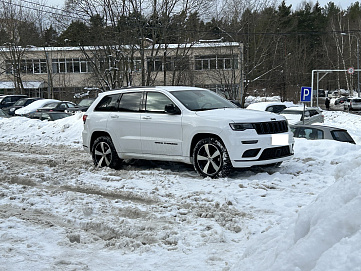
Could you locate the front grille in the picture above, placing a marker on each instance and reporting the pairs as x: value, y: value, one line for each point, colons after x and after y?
x: 274, y: 153
x: 271, y: 127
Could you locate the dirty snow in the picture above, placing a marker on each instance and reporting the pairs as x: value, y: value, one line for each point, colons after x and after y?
x: 58, y: 212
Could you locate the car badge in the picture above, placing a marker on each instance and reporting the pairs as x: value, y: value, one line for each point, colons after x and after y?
x: 273, y: 119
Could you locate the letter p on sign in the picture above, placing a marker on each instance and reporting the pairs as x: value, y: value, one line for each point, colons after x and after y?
x: 306, y: 94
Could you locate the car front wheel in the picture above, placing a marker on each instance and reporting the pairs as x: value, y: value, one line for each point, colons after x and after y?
x: 104, y: 153
x: 210, y: 158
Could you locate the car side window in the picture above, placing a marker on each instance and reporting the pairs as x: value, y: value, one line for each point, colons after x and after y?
x: 315, y: 134
x: 108, y: 103
x: 130, y: 102
x: 156, y: 102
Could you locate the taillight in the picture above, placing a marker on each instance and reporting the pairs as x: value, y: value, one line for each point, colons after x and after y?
x: 84, y: 118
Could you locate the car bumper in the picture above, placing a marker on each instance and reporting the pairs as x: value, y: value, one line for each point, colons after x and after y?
x: 248, y: 149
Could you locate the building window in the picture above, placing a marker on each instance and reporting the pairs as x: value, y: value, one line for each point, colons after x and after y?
x: 176, y: 63
x: 28, y: 66
x: 216, y: 62
x: 70, y: 65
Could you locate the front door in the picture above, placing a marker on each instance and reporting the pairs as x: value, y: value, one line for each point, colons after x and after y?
x: 161, y: 132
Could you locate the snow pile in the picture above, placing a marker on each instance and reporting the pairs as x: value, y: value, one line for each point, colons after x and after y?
x: 58, y: 212
x: 24, y: 130
x: 325, y: 236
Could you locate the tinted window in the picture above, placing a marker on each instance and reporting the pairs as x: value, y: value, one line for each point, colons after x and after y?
x: 21, y: 102
x: 201, y: 99
x: 108, y: 103
x: 51, y: 105
x: 156, y: 102
x: 309, y: 133
x: 342, y: 135
x: 130, y: 102
x: 275, y: 108
x: 313, y: 113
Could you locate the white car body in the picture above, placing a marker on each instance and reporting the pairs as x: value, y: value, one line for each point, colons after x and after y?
x: 34, y: 106
x: 171, y: 137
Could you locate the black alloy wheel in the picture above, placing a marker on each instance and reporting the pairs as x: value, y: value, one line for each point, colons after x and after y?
x: 210, y: 158
x: 104, y: 153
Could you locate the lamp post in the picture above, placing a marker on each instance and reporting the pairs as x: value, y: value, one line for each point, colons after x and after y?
x: 358, y: 62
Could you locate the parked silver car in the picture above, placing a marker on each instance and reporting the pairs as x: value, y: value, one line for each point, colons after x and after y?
x: 352, y: 104
x: 299, y: 115
x: 314, y: 132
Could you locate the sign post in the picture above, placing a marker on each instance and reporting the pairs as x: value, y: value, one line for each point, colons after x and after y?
x: 306, y: 95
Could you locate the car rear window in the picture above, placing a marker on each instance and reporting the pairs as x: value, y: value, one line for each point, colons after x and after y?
x: 342, y: 135
x: 275, y: 108
x: 356, y: 100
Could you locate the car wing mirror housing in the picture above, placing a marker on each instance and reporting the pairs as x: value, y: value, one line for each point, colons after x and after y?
x: 172, y: 109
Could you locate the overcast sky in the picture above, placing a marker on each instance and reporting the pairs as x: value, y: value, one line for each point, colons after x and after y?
x: 295, y: 3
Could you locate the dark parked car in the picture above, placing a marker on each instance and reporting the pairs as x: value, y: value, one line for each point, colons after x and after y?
x: 3, y: 114
x: 81, y: 107
x: 56, y: 106
x: 340, y: 100
x: 315, y: 132
x: 51, y: 116
x: 19, y: 104
x: 9, y: 100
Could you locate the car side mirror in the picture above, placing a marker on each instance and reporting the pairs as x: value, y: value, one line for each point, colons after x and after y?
x: 172, y: 109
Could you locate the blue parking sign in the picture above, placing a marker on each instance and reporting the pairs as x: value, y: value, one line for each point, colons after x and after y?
x: 306, y: 94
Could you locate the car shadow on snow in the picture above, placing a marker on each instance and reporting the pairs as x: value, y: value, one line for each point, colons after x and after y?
x: 187, y: 170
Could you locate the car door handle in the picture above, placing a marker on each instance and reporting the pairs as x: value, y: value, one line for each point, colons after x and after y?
x: 114, y: 116
x: 147, y: 117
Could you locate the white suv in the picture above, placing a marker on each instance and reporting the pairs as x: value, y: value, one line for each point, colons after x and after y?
x: 183, y: 124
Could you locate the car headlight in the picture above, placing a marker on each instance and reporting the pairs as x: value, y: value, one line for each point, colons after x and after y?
x: 241, y: 126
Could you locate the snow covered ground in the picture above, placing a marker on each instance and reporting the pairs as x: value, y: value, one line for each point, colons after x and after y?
x: 60, y: 213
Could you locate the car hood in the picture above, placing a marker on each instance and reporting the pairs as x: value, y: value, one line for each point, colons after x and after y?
x: 239, y: 115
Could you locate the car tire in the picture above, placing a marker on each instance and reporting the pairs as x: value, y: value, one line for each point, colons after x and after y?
x: 210, y: 158
x: 104, y: 153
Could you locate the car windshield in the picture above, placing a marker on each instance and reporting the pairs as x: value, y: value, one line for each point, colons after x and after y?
x: 86, y: 102
x: 51, y: 104
x: 20, y: 102
x: 200, y: 99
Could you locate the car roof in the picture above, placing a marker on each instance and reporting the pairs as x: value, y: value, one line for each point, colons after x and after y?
x: 264, y: 105
x: 163, y: 88
x: 300, y: 108
x: 317, y: 126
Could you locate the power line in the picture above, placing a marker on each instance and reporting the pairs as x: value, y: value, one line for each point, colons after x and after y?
x: 49, y: 9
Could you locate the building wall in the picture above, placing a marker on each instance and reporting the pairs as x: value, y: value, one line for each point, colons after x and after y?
x: 65, y: 71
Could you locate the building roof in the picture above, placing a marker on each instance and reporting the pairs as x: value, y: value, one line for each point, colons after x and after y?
x: 26, y: 84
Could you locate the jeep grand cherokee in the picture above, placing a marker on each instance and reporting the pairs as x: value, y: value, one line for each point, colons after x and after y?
x: 183, y: 124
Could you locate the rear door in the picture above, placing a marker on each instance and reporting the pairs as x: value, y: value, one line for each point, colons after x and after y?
x: 161, y: 132
x: 124, y: 121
